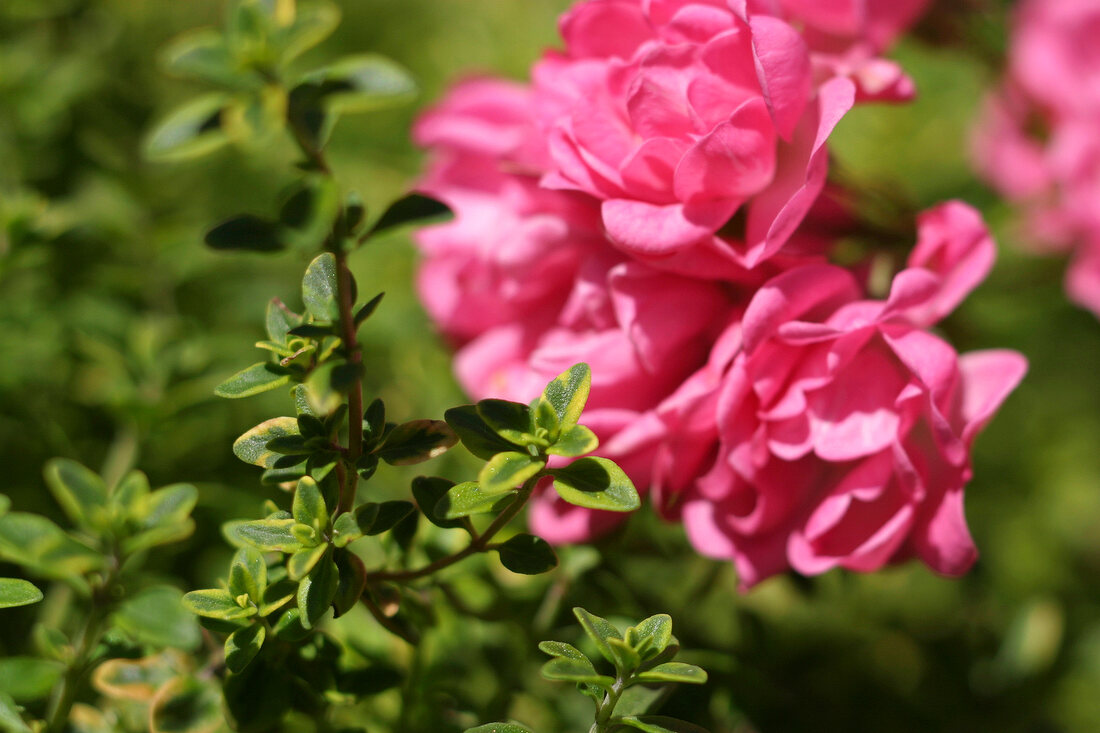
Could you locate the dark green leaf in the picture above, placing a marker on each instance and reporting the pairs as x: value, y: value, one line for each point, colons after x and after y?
x: 374, y: 419
x: 466, y: 499
x: 596, y: 483
x: 185, y: 705
x: 79, y: 491
x: 506, y: 471
x: 352, y: 581
x: 415, y: 442
x: 658, y: 630
x: 575, y: 670
x: 319, y: 289
x: 390, y: 514
x: 252, y: 446
x: 675, y: 672
x: 28, y: 679
x: 312, y: 331
x: 599, y: 630
x: 189, y: 131
x: 659, y: 724
x: 527, y: 555
x: 576, y: 441
x: 414, y: 208
x: 509, y: 420
x: 428, y: 491
x: 5, y: 505
x: 568, y: 393
x: 478, y: 437
x: 367, y: 310
x: 370, y: 681
x: 156, y: 616
x: 17, y: 592
x: 316, y: 591
x: 245, y: 232
x: 243, y: 645
x: 626, y: 659
x: 310, y: 211
x: 289, y: 626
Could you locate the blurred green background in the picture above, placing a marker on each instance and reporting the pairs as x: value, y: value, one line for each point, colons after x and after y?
x: 116, y: 323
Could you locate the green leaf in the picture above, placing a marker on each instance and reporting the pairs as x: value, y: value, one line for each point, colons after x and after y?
x: 28, y: 679
x: 203, y: 55
x: 132, y: 679
x: 404, y: 531
x: 302, y: 562
x: 347, y: 529
x: 156, y: 616
x: 368, y: 309
x: 561, y: 649
x: 506, y: 471
x: 5, y: 505
x: 478, y: 437
x: 415, y: 442
x: 261, y: 377
x: 599, y: 630
x: 575, y: 670
x: 568, y: 393
x: 131, y: 491
x: 527, y: 555
x: 279, y: 319
x: 675, y: 672
x: 243, y: 645
x: 352, y: 581
x: 374, y: 419
x: 466, y: 499
x: 248, y: 574
x: 329, y: 383
x: 79, y: 491
x: 289, y: 626
x: 596, y: 483
x: 390, y: 514
x: 576, y: 441
x: 319, y: 289
x: 216, y: 603
x: 10, y: 720
x: 626, y: 659
x: 310, y: 211
x: 266, y: 534
x: 657, y: 630
x: 252, y: 446
x: 316, y: 591
x: 184, y: 705
x: 162, y: 517
x: 313, y: 23
x: 543, y: 415
x: 510, y: 420
x: 37, y: 543
x: 246, y: 233
x: 17, y: 592
x: 428, y: 492
x: 500, y: 728
x: 363, y: 83
x: 659, y: 724
x: 309, y: 506
x: 415, y: 208
x: 189, y: 131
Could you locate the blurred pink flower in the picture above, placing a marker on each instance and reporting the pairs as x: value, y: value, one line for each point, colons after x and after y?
x: 1037, y: 141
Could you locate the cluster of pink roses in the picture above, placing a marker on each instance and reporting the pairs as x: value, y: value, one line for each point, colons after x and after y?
x: 646, y: 206
x: 1038, y: 141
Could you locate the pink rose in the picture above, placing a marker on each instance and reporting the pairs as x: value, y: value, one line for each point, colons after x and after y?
x: 679, y: 127
x: 844, y: 429
x: 513, y: 250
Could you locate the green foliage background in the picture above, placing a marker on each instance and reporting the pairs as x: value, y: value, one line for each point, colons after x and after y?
x: 116, y: 324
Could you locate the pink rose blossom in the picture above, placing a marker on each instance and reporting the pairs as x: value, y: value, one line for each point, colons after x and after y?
x: 694, y: 113
x: 844, y: 429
